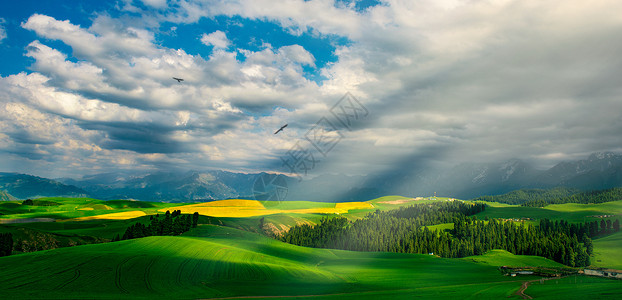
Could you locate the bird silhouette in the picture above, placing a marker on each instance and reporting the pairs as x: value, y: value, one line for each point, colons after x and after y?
x: 281, y: 129
x: 178, y: 79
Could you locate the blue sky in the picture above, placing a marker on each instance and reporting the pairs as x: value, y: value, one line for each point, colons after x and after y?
x: 86, y: 86
x: 245, y: 33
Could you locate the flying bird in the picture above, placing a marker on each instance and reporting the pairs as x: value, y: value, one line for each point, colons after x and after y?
x: 178, y: 79
x: 281, y: 129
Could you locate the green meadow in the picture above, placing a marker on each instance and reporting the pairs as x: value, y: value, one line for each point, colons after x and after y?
x: 68, y: 208
x: 216, y: 261
x: 572, y: 212
x: 220, y: 262
x: 576, y: 287
x: 608, y: 251
x: 230, y: 257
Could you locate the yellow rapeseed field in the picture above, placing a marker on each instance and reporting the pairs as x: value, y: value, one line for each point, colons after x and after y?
x: 238, y: 208
x: 114, y: 216
x: 225, y: 208
x: 234, y: 203
x: 353, y: 205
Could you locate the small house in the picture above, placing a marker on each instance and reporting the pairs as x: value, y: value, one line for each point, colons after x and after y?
x: 611, y: 273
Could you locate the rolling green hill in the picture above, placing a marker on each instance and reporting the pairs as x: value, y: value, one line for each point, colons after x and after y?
x: 228, y: 260
x: 607, y: 251
x: 572, y: 212
x: 214, y: 261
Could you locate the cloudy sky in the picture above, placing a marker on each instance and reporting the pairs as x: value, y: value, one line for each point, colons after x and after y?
x: 86, y: 86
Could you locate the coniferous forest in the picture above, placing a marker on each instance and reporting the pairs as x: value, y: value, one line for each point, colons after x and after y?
x: 172, y: 224
x: 405, y: 230
x: 6, y: 244
x: 558, y: 195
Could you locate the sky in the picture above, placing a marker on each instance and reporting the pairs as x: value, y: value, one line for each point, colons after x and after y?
x: 365, y: 87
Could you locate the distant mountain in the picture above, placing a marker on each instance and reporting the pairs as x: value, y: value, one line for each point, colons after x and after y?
x: 24, y: 186
x: 166, y: 186
x: 599, y: 171
x: 4, y: 196
x: 469, y: 180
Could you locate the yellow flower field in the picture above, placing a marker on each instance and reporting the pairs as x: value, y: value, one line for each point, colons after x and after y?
x: 114, y: 216
x: 238, y: 208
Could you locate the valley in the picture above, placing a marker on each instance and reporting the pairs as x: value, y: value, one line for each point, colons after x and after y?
x: 230, y: 257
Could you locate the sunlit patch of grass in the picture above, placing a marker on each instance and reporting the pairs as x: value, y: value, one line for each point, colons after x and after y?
x: 607, y: 251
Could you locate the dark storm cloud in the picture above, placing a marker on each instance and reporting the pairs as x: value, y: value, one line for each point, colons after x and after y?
x: 141, y: 139
x: 22, y: 136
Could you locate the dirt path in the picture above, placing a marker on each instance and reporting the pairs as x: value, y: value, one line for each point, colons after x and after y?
x: 525, y: 285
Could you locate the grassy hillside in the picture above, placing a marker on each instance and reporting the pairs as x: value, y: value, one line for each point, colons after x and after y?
x: 222, y: 261
x: 576, y: 287
x: 503, y: 258
x: 215, y: 261
x: 572, y: 212
x: 60, y: 208
x: 607, y: 251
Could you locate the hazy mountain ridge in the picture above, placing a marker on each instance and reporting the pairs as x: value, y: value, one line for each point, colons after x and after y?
x: 465, y: 181
x: 24, y: 186
x: 599, y: 171
x: 4, y: 196
x: 160, y: 186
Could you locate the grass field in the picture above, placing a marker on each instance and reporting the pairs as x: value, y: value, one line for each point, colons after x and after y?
x: 572, y: 212
x: 70, y: 208
x: 576, y: 287
x: 503, y: 258
x: 215, y: 261
x: 608, y: 251
x: 223, y: 261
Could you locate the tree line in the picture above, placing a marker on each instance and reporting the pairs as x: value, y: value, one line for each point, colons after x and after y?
x: 600, y: 196
x: 591, y: 229
x: 519, y: 197
x: 172, y: 224
x: 558, y: 195
x: 405, y: 230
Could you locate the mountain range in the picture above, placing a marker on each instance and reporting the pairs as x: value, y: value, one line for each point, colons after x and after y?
x: 599, y: 171
x: 22, y: 186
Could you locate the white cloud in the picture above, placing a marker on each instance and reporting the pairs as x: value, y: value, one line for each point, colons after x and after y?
x: 218, y: 39
x: 2, y: 30
x: 155, y: 3
x: 298, y: 54
x: 115, y: 98
x: 484, y: 80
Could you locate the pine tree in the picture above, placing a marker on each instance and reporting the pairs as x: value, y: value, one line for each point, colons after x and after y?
x: 587, y: 242
x: 195, y: 219
x: 6, y: 244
